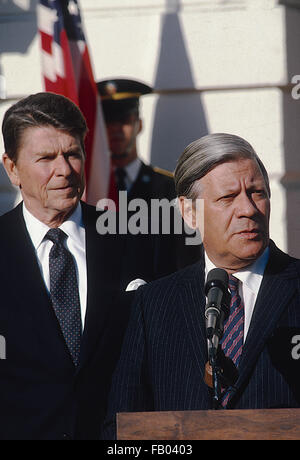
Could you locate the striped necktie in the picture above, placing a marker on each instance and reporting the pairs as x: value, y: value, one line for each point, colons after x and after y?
x: 64, y: 292
x: 233, y: 337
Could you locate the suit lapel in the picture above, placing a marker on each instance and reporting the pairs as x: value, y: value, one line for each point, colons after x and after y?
x: 143, y: 184
x: 192, y: 307
x: 277, y: 289
x: 102, y: 255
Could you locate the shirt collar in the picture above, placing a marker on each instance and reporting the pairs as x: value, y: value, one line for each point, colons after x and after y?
x: 252, y: 275
x: 73, y: 227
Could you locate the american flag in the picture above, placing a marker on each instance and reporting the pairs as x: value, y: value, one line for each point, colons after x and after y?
x: 67, y: 70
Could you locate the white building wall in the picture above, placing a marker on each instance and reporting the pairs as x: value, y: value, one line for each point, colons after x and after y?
x: 216, y: 66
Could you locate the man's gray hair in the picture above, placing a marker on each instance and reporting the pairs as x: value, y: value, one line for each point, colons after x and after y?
x: 202, y: 155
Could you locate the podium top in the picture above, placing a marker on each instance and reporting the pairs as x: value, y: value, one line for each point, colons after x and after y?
x: 252, y: 424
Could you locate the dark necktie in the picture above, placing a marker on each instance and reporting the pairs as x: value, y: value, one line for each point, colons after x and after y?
x: 233, y: 337
x: 121, y: 175
x: 64, y: 292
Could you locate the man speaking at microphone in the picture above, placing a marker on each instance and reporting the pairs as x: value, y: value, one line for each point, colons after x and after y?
x: 165, y: 352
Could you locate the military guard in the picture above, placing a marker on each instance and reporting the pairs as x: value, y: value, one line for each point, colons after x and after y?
x: 120, y: 103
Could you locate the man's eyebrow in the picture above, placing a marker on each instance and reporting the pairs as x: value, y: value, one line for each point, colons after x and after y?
x: 75, y: 149
x: 72, y: 149
x: 44, y: 152
x: 228, y: 190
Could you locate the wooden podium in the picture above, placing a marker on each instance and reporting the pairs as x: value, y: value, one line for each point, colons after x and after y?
x: 255, y: 424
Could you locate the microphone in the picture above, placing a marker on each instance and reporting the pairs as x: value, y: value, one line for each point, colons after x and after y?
x: 217, y: 307
x: 219, y: 370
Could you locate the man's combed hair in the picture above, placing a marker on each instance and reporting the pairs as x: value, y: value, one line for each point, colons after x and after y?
x: 202, y: 155
x: 41, y: 109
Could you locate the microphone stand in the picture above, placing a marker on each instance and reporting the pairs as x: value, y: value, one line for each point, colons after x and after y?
x: 217, y: 386
x: 214, y: 370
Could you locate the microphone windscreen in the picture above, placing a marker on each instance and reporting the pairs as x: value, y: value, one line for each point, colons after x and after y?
x: 218, y: 274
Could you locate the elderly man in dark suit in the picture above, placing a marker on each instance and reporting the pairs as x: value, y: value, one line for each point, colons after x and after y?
x: 63, y: 304
x: 165, y: 352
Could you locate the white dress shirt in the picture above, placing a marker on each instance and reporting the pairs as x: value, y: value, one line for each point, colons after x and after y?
x: 75, y: 243
x: 250, y: 279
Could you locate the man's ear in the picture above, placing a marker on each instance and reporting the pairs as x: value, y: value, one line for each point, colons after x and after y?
x: 187, y: 211
x: 192, y: 212
x: 11, y: 170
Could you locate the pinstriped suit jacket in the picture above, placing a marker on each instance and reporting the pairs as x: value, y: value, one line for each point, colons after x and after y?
x: 165, y: 351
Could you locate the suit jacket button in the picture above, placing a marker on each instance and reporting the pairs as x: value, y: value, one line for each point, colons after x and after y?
x: 66, y: 437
